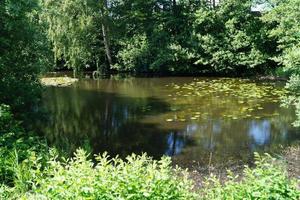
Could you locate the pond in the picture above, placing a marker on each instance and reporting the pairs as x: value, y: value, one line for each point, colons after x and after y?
x: 197, y: 121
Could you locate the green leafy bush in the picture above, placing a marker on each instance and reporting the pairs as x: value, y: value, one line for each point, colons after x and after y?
x: 23, y: 54
x: 229, y: 38
x: 139, y: 177
x: 134, y: 54
x: 293, y: 98
x: 18, y: 149
x: 268, y: 180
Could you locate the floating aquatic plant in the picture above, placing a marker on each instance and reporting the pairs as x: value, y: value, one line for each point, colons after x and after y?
x: 227, y: 98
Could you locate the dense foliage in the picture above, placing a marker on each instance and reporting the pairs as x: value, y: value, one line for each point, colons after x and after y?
x: 72, y: 27
x: 79, y: 32
x: 23, y: 50
x: 139, y: 177
x: 159, y: 35
x: 229, y: 38
x: 195, y: 36
x: 285, y: 22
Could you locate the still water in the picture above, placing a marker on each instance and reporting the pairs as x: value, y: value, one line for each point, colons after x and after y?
x: 194, y: 120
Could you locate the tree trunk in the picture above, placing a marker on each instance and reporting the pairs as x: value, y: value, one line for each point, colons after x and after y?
x: 107, y: 46
x: 105, y: 34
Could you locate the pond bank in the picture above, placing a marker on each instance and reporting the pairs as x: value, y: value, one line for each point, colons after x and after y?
x: 290, y: 158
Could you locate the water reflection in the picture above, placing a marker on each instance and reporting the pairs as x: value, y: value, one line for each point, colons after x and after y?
x: 260, y: 132
x: 129, y: 116
x: 108, y: 121
x: 175, y: 146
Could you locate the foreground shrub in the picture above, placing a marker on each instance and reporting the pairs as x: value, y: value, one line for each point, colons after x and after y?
x: 268, y: 180
x: 139, y: 177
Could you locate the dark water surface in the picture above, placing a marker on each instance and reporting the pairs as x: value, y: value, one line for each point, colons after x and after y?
x: 192, y: 119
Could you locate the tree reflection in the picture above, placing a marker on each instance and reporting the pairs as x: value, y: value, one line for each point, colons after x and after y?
x: 108, y: 121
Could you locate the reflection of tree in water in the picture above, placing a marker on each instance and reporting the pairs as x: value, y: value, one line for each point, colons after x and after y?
x: 176, y: 142
x: 108, y: 121
x: 222, y: 141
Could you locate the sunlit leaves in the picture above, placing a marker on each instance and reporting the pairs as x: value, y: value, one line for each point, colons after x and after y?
x: 137, y: 177
x: 228, y: 38
x: 72, y: 28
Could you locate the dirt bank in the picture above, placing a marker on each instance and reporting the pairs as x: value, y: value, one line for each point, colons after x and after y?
x: 290, y: 157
